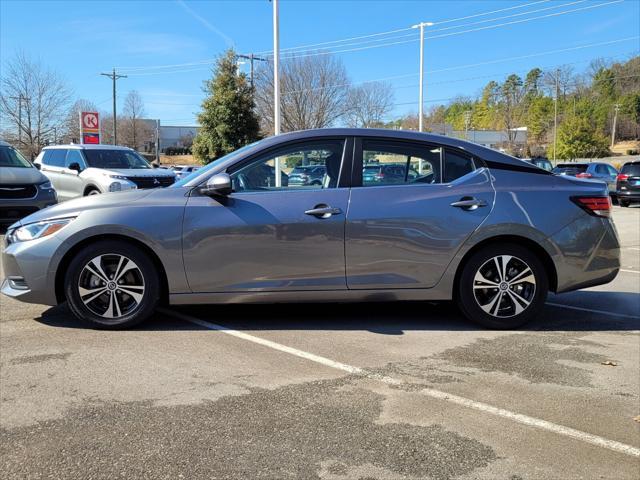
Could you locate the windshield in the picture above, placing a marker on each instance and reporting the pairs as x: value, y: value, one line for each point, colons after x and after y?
x: 206, y: 168
x: 114, y: 159
x: 10, y: 157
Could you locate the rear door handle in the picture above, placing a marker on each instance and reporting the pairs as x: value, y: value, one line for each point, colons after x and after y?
x: 323, y: 211
x: 469, y: 203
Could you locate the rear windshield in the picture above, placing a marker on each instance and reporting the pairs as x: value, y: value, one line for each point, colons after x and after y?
x: 371, y: 168
x: 10, y: 157
x: 120, y: 159
x: 571, y: 168
x: 631, y: 169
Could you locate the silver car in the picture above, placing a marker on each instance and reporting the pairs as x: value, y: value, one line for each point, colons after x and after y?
x: 23, y: 189
x: 474, y: 225
x: 82, y: 170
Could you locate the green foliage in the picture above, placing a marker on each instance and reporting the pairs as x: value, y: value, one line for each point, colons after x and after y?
x: 577, y: 138
x: 227, y: 119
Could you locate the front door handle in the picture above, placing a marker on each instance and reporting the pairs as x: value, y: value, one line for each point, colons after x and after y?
x: 469, y: 203
x: 323, y: 211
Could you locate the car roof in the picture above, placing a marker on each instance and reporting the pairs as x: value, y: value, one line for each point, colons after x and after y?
x: 87, y: 147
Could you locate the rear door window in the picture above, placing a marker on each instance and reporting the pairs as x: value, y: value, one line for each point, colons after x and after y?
x: 456, y: 165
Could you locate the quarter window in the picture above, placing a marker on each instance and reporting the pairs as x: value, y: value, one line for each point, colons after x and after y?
x: 54, y: 157
x: 311, y: 165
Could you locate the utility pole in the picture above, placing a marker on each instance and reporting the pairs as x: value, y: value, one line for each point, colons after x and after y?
x: 421, y: 26
x: 555, y: 117
x: 251, y: 57
x: 467, y: 121
x: 158, y: 141
x: 616, y: 108
x: 114, y: 76
x: 20, y: 98
x: 276, y: 85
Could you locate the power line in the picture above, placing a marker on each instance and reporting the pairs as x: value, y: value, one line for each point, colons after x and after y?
x: 312, y: 54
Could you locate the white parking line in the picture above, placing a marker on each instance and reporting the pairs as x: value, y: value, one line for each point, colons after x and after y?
x: 447, y: 397
x: 629, y: 271
x: 602, y: 312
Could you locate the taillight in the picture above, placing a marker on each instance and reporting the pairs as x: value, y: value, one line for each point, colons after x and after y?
x: 379, y: 176
x: 583, y: 175
x: 622, y: 177
x: 598, y: 206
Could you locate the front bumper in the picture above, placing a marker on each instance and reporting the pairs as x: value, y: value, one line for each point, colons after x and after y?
x: 12, y: 210
x: 28, y: 264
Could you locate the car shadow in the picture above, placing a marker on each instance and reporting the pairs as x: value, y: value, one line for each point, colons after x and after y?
x: 389, y: 318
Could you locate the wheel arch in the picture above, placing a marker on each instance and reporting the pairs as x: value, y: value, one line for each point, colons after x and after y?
x: 64, y: 263
x: 532, y: 245
x: 90, y: 187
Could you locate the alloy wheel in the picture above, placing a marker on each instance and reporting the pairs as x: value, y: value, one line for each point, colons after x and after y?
x: 504, y: 286
x: 111, y: 286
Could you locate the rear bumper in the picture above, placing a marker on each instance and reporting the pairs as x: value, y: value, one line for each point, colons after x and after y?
x: 588, y: 253
x: 628, y: 194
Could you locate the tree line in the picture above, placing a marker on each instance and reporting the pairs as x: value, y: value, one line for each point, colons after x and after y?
x: 37, y: 109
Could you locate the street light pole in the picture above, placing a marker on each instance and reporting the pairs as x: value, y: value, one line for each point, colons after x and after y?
x: 421, y: 26
x: 276, y: 86
x: 616, y: 108
x: 555, y: 117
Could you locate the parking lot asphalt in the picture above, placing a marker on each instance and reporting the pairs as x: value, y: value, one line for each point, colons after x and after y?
x: 329, y: 391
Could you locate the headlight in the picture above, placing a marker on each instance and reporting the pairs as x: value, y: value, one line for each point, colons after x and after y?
x: 36, y: 230
x: 118, y: 177
x: 115, y: 187
x: 46, y: 186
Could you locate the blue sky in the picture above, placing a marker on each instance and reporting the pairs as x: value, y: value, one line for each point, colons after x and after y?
x: 80, y: 39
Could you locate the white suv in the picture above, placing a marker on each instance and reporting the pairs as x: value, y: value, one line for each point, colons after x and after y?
x: 79, y: 170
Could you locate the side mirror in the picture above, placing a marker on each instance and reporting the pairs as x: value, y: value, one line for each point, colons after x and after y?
x: 155, y: 165
x: 218, y: 185
x: 37, y: 165
x: 75, y: 166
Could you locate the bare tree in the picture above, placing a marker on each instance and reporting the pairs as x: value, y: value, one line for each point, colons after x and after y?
x: 369, y: 103
x: 566, y: 80
x: 71, y: 127
x: 134, y: 131
x: 33, y: 103
x: 314, y: 93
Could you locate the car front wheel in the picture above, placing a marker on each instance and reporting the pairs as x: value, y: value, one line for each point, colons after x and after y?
x: 112, y: 284
x: 502, y: 286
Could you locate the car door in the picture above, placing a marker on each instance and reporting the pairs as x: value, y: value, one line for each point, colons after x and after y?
x: 267, y: 235
x: 404, y: 235
x: 52, y: 167
x: 70, y: 178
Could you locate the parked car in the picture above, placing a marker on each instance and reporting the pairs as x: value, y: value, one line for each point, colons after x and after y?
x: 594, y: 170
x: 628, y: 184
x: 307, y: 175
x: 82, y: 170
x: 481, y: 228
x: 23, y: 189
x: 386, y: 173
x: 183, y: 170
x: 540, y: 162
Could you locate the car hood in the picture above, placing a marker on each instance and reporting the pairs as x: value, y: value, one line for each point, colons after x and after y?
x: 75, y: 207
x: 21, y: 175
x: 137, y: 172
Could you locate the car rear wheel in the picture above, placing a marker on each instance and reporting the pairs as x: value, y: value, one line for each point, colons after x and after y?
x: 112, y: 284
x: 93, y: 191
x: 502, y: 286
x: 623, y: 203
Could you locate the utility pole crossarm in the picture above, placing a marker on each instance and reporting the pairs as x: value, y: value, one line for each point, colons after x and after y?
x: 114, y: 76
x: 251, y: 57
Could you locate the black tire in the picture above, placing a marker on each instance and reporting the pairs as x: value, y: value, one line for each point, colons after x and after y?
x: 509, y: 318
x: 92, y: 191
x: 623, y: 203
x: 109, y: 251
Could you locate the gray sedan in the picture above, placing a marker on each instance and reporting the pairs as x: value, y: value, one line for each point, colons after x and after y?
x: 465, y: 223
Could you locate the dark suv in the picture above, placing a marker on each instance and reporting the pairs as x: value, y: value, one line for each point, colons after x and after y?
x: 308, y: 175
x: 628, y: 184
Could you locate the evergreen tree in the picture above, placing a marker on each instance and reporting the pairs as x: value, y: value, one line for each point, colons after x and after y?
x: 227, y: 120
